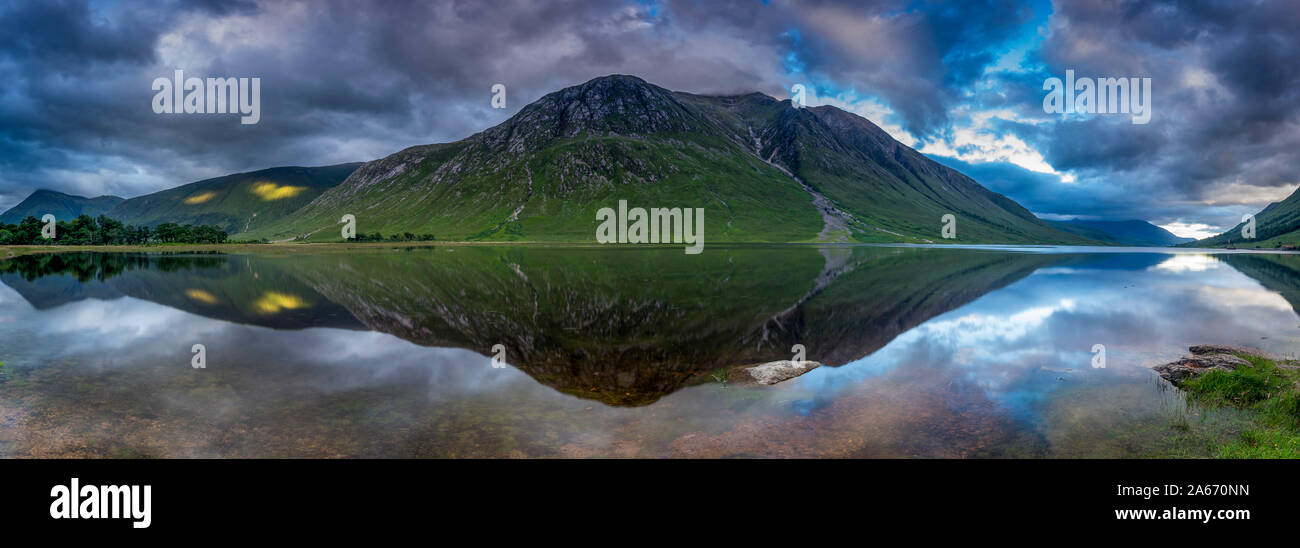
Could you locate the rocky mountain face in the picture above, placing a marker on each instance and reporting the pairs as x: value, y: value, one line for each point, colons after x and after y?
x: 762, y: 169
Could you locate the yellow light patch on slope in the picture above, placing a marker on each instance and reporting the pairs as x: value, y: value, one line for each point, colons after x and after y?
x: 269, y: 191
x: 272, y: 302
x: 201, y: 296
x: 200, y: 197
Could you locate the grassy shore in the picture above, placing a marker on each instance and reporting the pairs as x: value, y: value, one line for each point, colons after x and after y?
x: 287, y: 247
x: 7, y: 251
x: 1270, y: 393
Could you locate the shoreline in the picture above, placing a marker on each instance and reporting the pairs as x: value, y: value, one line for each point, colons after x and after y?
x: 1263, y: 386
x: 9, y: 251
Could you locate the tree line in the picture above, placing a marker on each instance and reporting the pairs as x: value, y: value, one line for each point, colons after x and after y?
x: 87, y: 266
x: 103, y: 230
x: 403, y: 237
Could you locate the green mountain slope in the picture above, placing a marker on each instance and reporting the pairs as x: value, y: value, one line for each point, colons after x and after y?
x: 1134, y: 232
x: 763, y: 171
x: 238, y: 202
x: 62, y: 206
x: 1277, y: 224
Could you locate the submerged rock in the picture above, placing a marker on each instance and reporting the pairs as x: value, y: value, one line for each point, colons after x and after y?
x: 771, y: 372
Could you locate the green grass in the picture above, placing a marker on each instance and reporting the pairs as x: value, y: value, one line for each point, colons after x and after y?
x: 233, y: 202
x: 1271, y: 394
x: 1267, y: 443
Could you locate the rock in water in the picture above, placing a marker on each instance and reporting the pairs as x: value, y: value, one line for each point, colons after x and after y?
x: 1208, y: 349
x: 1207, y: 357
x: 771, y: 372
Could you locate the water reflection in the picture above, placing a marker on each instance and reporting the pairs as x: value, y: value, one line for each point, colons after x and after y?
x: 241, y: 289
x: 934, y: 352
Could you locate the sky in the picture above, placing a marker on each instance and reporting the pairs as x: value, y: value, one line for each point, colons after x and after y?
x: 963, y: 82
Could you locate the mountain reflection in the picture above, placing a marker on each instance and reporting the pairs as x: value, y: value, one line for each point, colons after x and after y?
x: 955, y: 352
x: 623, y: 327
x: 238, y: 289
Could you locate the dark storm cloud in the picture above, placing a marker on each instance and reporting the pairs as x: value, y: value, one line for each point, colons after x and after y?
x: 1225, y: 123
x: 65, y: 34
x: 1046, y: 196
x: 343, y: 81
x: 346, y: 81
x: 919, y: 57
x: 340, y: 81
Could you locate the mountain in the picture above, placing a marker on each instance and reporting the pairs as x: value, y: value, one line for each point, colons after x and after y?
x: 238, y: 202
x: 1277, y: 224
x: 761, y: 169
x: 1134, y: 233
x: 62, y: 206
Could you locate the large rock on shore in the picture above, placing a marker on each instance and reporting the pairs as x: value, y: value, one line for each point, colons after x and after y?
x: 771, y: 372
x: 1208, y: 357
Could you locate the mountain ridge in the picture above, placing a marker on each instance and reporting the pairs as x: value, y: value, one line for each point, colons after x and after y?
x: 1132, y: 232
x: 1276, y: 225
x: 236, y: 202
x: 62, y: 205
x: 764, y: 169
x: 233, y: 202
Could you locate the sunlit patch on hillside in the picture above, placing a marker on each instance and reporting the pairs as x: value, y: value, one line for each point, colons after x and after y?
x: 272, y: 302
x: 269, y: 191
x: 200, y: 197
x: 201, y: 296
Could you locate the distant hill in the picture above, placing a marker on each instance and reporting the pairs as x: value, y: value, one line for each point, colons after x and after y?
x: 1277, y: 224
x: 62, y: 206
x: 763, y: 170
x: 238, y: 202
x: 1135, y: 232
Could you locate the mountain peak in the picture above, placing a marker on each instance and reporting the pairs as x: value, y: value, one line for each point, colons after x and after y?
x: 60, y: 204
x: 49, y: 192
x: 609, y: 105
x: 616, y: 79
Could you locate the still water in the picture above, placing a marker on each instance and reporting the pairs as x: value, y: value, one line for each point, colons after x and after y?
x: 950, y: 352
